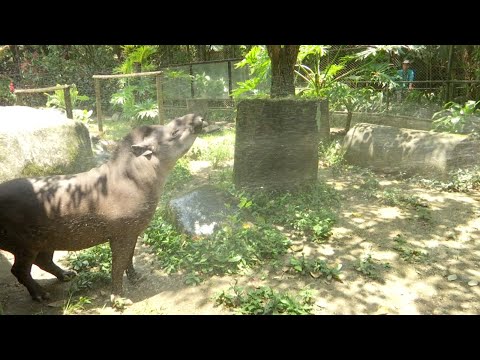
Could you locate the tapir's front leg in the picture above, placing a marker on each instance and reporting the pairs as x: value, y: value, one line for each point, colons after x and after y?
x: 122, y: 252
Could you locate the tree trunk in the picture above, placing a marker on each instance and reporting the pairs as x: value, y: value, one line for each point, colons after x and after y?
x: 189, y: 54
x: 16, y: 57
x: 349, y: 121
x: 169, y: 54
x: 66, y: 52
x: 201, y: 52
x: 283, y: 59
x: 117, y: 50
x: 449, y: 72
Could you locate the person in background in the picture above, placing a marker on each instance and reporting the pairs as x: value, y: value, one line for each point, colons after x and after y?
x: 406, y: 75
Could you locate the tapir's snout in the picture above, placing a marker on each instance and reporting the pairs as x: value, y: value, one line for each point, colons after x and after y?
x: 199, y: 124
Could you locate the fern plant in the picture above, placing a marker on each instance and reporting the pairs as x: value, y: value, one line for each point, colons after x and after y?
x: 259, y: 65
x: 57, y: 99
x: 136, y: 96
x: 455, y: 117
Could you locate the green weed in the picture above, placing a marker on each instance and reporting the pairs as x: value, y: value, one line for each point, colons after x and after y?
x: 266, y: 301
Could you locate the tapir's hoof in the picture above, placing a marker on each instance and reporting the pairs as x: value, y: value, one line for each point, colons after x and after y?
x: 135, y: 278
x: 68, y: 275
x: 41, y: 297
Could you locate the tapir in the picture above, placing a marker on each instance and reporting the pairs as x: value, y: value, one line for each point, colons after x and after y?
x: 114, y: 202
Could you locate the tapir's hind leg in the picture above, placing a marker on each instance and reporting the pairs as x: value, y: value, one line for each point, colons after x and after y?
x: 21, y: 268
x: 45, y: 262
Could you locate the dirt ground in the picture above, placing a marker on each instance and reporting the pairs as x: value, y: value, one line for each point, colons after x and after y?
x: 444, y: 282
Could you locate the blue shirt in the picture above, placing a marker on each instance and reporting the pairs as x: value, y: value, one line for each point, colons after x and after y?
x: 408, y: 75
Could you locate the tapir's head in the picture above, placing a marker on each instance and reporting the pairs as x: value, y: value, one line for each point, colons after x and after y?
x: 171, y: 141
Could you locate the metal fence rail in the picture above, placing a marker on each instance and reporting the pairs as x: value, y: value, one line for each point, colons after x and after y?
x: 216, y: 80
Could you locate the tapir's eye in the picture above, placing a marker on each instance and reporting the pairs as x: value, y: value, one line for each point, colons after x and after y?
x: 175, y: 133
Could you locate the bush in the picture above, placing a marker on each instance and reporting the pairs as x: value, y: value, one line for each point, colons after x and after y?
x: 6, y: 97
x: 457, y: 118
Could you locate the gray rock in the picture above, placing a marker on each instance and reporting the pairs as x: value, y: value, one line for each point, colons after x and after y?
x: 201, y: 211
x: 211, y: 128
x: 391, y: 150
x: 40, y: 142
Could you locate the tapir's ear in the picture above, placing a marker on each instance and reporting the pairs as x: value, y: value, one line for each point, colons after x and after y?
x: 144, y: 148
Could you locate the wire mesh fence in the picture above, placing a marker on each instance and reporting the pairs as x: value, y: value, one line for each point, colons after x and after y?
x: 214, y: 82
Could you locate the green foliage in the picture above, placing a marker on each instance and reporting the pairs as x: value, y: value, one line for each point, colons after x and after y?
x: 312, y: 51
x: 82, y: 115
x: 408, y: 252
x: 384, y: 51
x: 97, y: 258
x: 216, y: 148
x: 93, y: 266
x: 315, y: 268
x: 345, y: 97
x: 237, y: 246
x: 369, y: 182
x: 330, y: 153
x: 112, y: 130
x: 370, y: 268
x: 6, y: 97
x: 396, y: 197
x: 57, y: 99
x: 137, y: 96
x: 266, y: 301
x: 460, y: 180
x: 177, y: 84
x: 381, y: 74
x: 124, y: 97
x: 75, y: 306
x: 318, y: 225
x: 455, y: 117
x: 338, y: 80
x: 45, y: 65
x: 136, y: 55
x: 423, y: 214
x: 317, y: 80
x: 305, y: 211
x: 179, y: 175
x: 223, y: 178
x: 145, y: 113
x: 206, y: 87
x: 219, y: 155
x: 259, y: 65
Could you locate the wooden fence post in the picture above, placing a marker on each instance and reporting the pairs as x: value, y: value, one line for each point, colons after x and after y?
x: 230, y: 87
x: 68, y: 102
x: 161, y: 112
x: 99, y: 105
